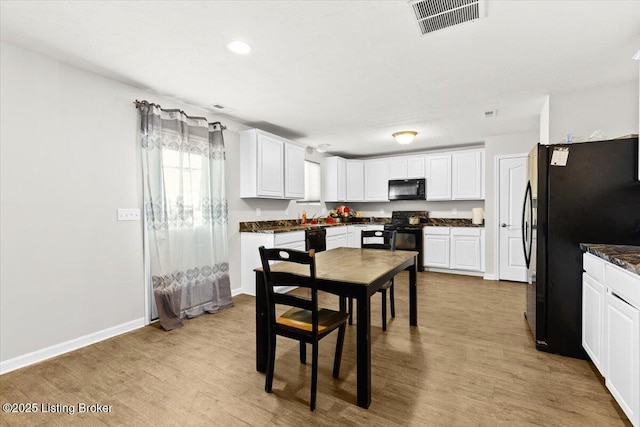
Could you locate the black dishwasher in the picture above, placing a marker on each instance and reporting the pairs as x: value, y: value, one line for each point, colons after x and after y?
x: 315, y: 239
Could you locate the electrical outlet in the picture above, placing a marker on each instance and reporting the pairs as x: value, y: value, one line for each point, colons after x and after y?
x: 454, y: 211
x: 258, y: 212
x: 128, y: 214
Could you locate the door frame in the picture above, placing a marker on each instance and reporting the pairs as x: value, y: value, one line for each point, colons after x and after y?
x: 496, y: 207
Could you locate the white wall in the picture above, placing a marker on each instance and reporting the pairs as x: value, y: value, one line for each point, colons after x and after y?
x: 71, y: 274
x: 494, y: 146
x: 612, y: 109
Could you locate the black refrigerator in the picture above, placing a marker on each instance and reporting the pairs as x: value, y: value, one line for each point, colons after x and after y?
x: 576, y: 193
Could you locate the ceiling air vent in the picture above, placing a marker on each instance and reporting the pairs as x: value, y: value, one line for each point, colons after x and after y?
x: 434, y: 15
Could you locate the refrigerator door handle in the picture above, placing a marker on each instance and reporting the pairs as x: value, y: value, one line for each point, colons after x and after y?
x: 526, y: 236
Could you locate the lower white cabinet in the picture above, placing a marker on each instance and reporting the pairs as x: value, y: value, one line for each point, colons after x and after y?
x: 466, y: 251
x: 249, y: 244
x: 593, y: 305
x: 611, y: 329
x: 459, y: 249
x: 336, y: 237
x: 353, y: 235
x: 436, y: 247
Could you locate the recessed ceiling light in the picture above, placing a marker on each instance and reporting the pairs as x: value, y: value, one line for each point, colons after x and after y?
x: 239, y: 47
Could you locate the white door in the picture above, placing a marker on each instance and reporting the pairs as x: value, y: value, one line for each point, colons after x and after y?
x: 512, y: 175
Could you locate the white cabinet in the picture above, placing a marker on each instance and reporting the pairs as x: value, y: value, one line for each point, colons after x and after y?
x: 376, y: 180
x: 355, y: 181
x: 354, y: 233
x: 336, y: 237
x: 467, y: 180
x: 623, y: 355
x: 268, y: 162
x: 438, y: 176
x: 593, y: 305
x: 250, y: 257
x: 456, y: 175
x: 334, y: 179
x: 611, y: 329
x: 466, y: 250
x: 458, y: 249
x: 436, y: 247
x: 404, y: 167
x: 294, y: 171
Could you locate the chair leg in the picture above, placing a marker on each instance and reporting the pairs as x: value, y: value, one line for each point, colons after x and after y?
x: 303, y: 352
x: 384, y: 309
x: 392, y: 299
x: 270, y: 363
x: 350, y: 311
x: 338, y: 356
x: 314, y: 375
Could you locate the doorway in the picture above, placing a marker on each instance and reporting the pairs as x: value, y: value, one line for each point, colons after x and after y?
x: 512, y: 181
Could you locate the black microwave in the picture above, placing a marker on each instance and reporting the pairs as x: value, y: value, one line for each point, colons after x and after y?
x: 407, y: 189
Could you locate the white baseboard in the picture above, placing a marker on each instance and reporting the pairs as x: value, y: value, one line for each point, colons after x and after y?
x: 236, y: 292
x: 65, y: 347
x: 490, y: 277
x: 450, y: 271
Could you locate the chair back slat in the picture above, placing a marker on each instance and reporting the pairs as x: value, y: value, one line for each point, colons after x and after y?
x: 378, y: 239
x: 278, y: 278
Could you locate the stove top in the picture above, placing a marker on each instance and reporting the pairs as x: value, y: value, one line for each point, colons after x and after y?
x: 400, y: 220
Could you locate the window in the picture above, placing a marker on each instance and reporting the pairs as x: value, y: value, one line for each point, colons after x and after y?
x: 311, y: 182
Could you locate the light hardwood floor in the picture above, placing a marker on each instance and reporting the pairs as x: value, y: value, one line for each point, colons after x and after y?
x: 470, y: 362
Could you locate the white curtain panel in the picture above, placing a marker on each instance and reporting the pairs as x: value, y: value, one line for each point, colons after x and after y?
x: 185, y: 203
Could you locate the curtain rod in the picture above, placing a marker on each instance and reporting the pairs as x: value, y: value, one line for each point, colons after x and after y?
x: 138, y: 103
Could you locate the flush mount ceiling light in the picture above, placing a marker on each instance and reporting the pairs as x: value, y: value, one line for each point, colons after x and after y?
x: 322, y: 148
x: 239, y: 47
x: 404, y: 137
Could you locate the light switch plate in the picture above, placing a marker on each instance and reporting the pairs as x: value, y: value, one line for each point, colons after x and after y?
x: 128, y: 214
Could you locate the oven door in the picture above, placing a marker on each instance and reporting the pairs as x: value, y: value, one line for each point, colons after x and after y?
x: 410, y: 240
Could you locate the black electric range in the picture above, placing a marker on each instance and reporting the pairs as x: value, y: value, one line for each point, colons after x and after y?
x: 409, y: 236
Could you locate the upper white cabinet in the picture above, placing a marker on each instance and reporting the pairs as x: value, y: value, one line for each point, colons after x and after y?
x: 404, y: 167
x: 438, y: 176
x: 376, y: 180
x: 272, y: 167
x: 355, y: 181
x: 467, y: 175
x: 456, y: 175
x: 334, y: 179
x: 293, y: 171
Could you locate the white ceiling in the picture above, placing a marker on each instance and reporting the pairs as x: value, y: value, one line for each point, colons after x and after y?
x: 344, y: 73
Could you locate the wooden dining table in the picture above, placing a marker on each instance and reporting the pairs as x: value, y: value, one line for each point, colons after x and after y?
x: 347, y: 272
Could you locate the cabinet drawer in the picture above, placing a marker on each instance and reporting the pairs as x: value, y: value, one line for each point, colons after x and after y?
x: 283, y: 238
x: 624, y: 284
x: 435, y: 231
x: 336, y: 230
x: 465, y: 231
x: 594, y: 266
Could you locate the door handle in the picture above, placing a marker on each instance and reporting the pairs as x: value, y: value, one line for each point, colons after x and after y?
x: 503, y: 225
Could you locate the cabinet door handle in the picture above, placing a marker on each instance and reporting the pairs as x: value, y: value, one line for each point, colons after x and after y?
x: 503, y: 225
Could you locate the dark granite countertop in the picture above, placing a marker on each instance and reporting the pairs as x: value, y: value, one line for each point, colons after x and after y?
x: 451, y: 222
x: 288, y: 225
x: 627, y: 257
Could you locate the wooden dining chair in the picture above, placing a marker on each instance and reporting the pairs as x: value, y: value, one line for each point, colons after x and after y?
x: 379, y: 239
x: 304, y: 321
